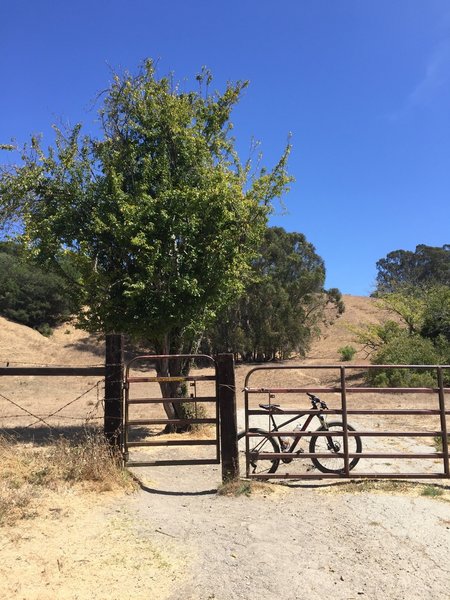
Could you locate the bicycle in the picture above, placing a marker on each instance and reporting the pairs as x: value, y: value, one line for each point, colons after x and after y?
x: 288, y: 442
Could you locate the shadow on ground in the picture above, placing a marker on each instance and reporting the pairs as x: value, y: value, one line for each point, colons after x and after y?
x: 43, y: 436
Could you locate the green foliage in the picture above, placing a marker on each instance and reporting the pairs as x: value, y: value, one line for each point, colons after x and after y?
x: 405, y: 349
x: 335, y: 297
x: 432, y: 491
x: 439, y: 442
x: 159, y: 215
x: 30, y: 295
x: 45, y: 329
x: 421, y: 312
x: 347, y: 353
x: 373, y: 335
x: 420, y: 335
x: 408, y: 306
x: 436, y: 315
x: 282, y: 304
x: 427, y: 267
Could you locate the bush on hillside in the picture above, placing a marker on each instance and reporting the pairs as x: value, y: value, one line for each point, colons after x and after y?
x: 405, y: 349
x: 30, y: 295
x: 436, y: 314
x: 347, y: 353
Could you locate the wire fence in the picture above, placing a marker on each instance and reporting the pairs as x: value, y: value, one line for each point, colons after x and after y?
x: 42, y: 406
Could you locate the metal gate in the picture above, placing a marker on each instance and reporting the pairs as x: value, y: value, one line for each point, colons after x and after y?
x: 131, y: 399
x: 264, y: 443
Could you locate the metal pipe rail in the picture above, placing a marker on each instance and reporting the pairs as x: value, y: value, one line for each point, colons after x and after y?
x: 343, y: 389
x: 129, y: 423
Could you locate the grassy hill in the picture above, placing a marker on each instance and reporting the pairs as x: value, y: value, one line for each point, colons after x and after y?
x: 359, y: 310
x: 20, y: 345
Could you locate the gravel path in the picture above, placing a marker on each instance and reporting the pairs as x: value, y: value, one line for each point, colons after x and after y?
x: 297, y: 542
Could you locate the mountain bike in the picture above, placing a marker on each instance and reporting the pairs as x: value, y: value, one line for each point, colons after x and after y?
x: 288, y: 442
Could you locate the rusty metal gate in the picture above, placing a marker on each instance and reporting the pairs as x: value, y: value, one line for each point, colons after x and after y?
x: 356, y: 448
x: 132, y: 384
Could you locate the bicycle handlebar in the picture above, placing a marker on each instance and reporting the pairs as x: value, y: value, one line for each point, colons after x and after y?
x: 315, y: 401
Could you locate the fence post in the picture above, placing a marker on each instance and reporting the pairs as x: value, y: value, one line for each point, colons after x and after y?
x: 114, y: 368
x: 228, y: 421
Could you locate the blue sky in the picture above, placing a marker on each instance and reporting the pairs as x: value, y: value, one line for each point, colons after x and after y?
x: 364, y: 87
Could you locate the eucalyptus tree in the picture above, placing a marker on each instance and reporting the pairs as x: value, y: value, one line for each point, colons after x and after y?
x: 158, y: 212
x: 283, y: 302
x: 401, y: 270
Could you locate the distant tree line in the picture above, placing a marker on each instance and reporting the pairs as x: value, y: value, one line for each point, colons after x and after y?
x: 426, y: 267
x: 278, y: 313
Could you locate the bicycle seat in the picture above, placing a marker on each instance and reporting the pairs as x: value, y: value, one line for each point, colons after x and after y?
x: 272, y: 407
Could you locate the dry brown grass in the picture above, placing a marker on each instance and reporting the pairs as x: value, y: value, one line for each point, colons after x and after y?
x: 242, y: 487
x: 401, y: 487
x: 27, y: 472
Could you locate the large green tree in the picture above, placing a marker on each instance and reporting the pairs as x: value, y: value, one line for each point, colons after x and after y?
x: 427, y: 266
x: 282, y: 303
x: 159, y: 213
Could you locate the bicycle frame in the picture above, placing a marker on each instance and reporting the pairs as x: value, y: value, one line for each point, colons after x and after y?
x: 297, y: 435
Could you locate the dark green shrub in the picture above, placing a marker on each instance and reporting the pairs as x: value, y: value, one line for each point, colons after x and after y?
x: 31, y: 296
x: 436, y: 316
x: 45, y: 329
x: 405, y: 349
x: 347, y: 353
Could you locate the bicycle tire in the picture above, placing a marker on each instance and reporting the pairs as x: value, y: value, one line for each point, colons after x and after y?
x: 259, y: 443
x: 338, y: 464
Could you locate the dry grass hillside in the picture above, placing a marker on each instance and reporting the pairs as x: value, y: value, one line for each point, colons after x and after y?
x: 20, y: 345
x: 67, y: 404
x: 359, y: 310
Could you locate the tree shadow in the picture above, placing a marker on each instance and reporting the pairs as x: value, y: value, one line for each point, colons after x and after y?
x: 93, y: 344
x: 44, y: 436
x: 159, y: 492
x: 140, y: 433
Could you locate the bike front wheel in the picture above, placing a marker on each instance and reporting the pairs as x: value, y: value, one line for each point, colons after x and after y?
x: 332, y: 445
x: 258, y: 465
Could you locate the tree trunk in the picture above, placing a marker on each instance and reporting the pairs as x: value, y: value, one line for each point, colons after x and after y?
x: 173, y: 367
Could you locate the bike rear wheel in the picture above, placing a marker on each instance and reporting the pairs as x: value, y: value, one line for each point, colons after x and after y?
x: 331, y: 445
x: 261, y: 445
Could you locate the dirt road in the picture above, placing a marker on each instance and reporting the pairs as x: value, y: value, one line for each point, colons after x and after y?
x: 177, y: 538
x: 297, y: 541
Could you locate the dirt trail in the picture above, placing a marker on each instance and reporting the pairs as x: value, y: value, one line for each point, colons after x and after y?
x: 298, y: 541
x: 176, y: 538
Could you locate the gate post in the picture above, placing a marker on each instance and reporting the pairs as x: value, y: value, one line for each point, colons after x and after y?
x: 114, y: 369
x: 228, y: 422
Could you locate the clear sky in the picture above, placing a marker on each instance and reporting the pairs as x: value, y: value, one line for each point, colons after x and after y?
x: 363, y: 85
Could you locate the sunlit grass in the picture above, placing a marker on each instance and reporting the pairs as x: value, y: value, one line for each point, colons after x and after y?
x: 26, y: 472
